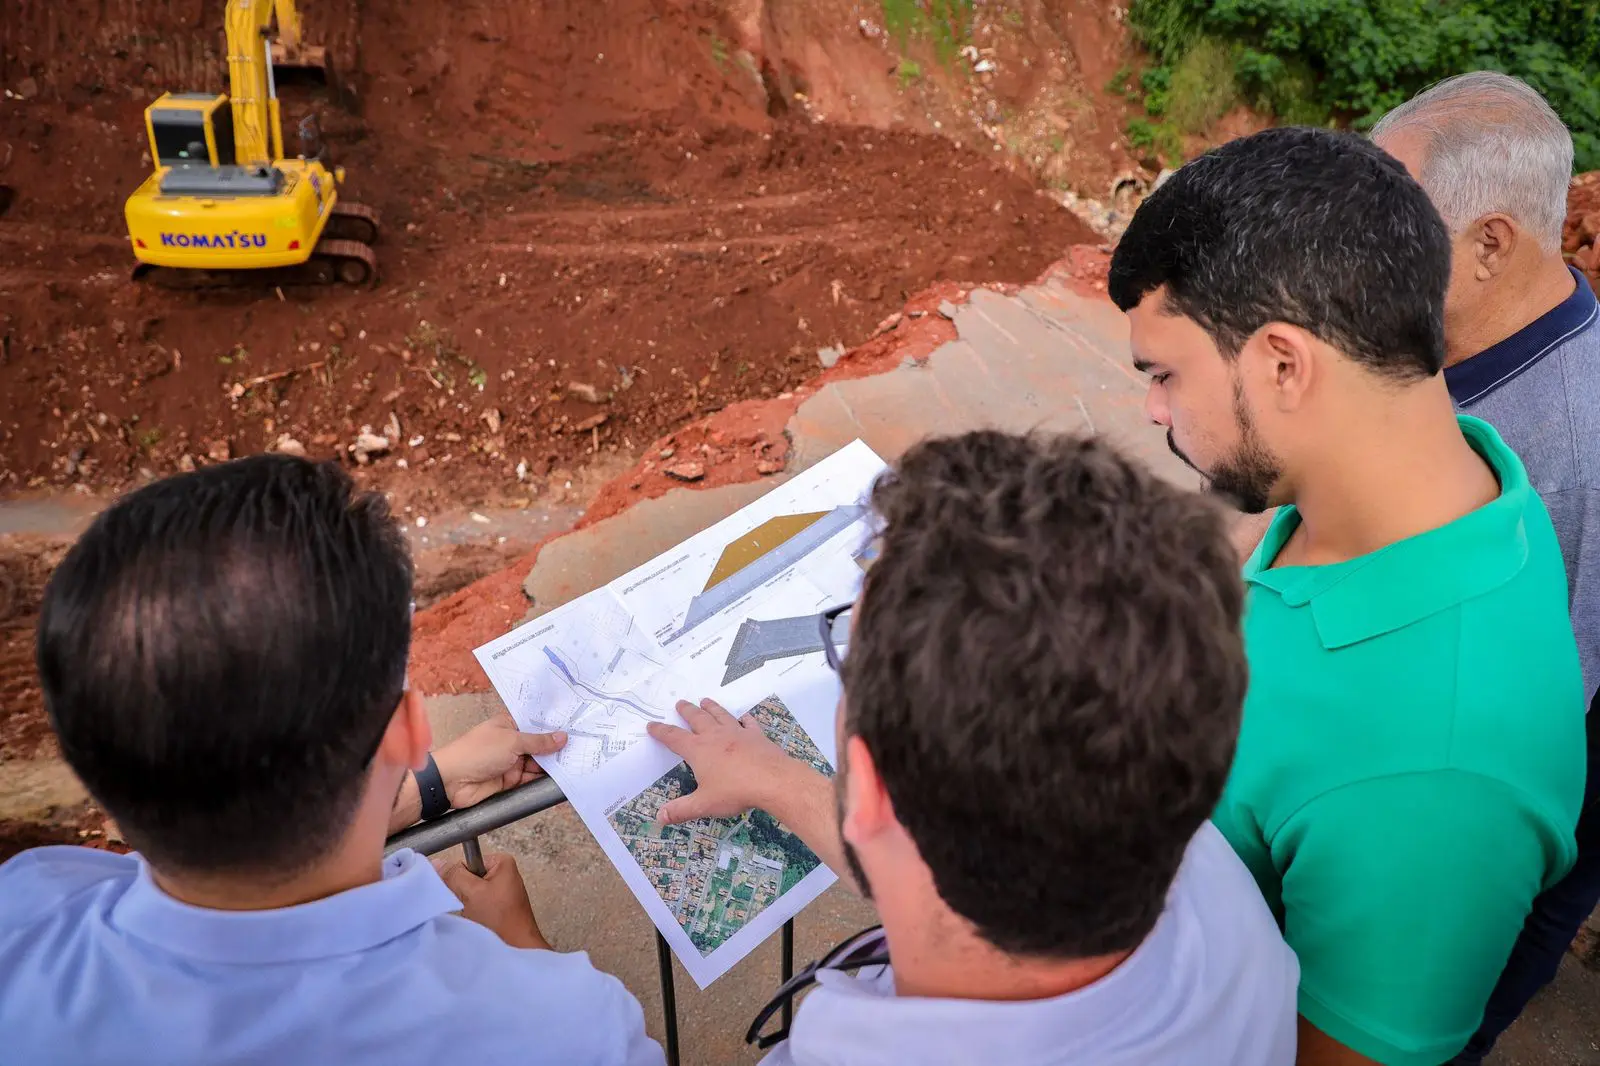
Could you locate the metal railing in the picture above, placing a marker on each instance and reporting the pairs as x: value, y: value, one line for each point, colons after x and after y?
x: 464, y: 827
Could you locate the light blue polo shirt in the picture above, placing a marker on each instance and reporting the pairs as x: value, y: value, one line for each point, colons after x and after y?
x: 1212, y: 985
x: 98, y: 966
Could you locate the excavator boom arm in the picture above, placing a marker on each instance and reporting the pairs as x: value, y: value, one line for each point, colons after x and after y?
x: 248, y: 25
x: 288, y: 25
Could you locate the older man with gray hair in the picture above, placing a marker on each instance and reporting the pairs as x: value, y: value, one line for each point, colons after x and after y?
x: 1523, y: 353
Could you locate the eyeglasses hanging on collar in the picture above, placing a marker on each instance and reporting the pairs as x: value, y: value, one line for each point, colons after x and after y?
x: 866, y: 948
x: 834, y: 624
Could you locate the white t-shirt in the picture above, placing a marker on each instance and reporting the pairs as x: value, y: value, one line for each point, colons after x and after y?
x: 1213, y: 985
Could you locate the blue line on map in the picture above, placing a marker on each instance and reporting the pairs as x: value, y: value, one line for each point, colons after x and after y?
x: 599, y: 694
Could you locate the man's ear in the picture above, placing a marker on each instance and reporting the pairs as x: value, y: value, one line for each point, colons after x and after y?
x: 1494, y: 242
x: 867, y: 808
x: 409, y: 737
x: 1280, y: 364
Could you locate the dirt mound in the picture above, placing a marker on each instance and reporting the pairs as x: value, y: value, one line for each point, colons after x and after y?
x: 595, y: 233
x: 1583, y: 225
x: 534, y: 316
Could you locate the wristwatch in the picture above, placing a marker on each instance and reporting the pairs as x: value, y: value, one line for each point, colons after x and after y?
x: 430, y: 786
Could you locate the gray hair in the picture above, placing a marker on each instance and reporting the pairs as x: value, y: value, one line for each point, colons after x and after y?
x: 1492, y: 145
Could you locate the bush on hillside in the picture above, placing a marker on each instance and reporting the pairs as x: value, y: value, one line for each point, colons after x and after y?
x: 1314, y: 61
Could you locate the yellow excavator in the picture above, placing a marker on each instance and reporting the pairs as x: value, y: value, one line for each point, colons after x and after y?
x: 224, y: 205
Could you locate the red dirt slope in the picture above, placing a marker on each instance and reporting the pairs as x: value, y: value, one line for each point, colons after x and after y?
x: 595, y: 233
x: 1583, y: 225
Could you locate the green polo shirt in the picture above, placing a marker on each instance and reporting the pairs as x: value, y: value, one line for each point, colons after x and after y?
x: 1411, y: 763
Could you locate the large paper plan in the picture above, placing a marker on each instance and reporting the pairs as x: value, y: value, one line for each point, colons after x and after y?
x: 729, y: 614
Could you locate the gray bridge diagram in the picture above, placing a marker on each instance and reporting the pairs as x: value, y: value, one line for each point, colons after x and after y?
x: 759, y: 642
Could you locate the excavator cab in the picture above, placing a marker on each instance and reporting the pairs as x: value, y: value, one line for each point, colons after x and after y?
x: 188, y: 129
x: 191, y: 143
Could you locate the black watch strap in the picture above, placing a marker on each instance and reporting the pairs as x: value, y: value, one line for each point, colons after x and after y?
x: 430, y: 784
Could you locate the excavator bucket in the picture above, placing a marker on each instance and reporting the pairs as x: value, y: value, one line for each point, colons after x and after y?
x: 290, y: 52
x: 304, y: 62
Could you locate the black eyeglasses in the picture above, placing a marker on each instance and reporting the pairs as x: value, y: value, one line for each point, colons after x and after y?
x: 866, y: 948
x: 828, y: 621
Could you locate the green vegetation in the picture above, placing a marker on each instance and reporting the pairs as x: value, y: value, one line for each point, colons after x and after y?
x: 1184, y: 97
x: 1335, y: 61
x: 719, y: 53
x: 765, y: 832
x: 1157, y: 138
x: 1202, y: 89
x: 442, y: 357
x: 946, y: 23
x: 908, y: 71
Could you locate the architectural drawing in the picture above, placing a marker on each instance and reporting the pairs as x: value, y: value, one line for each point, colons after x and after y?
x: 700, y: 620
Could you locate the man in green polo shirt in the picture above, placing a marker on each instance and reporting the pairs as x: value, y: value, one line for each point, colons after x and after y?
x: 1411, y: 762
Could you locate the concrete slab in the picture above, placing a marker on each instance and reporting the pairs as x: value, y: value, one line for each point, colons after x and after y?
x: 35, y: 787
x: 584, y: 560
x: 1047, y: 359
x: 1561, y: 1027
x: 47, y: 516
x: 450, y: 716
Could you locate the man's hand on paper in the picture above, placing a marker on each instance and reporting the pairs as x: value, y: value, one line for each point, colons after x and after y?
x: 498, y: 901
x: 738, y: 767
x: 491, y: 757
x: 735, y: 763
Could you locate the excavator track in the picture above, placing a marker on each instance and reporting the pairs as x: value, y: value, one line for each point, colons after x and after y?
x: 352, y: 222
x: 352, y: 262
x: 332, y: 262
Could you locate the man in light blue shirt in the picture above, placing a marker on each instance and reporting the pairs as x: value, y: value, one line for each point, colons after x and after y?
x: 1042, y: 690
x: 223, y: 657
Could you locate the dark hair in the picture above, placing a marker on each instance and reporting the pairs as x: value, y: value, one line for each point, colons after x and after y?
x: 220, y: 654
x: 1312, y: 227
x: 1048, y: 670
